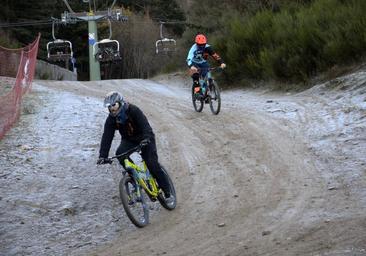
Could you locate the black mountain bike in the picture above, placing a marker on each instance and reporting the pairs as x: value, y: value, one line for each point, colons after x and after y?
x: 137, y: 186
x: 208, y: 92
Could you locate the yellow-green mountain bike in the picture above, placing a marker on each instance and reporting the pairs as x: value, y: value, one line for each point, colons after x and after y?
x: 137, y: 186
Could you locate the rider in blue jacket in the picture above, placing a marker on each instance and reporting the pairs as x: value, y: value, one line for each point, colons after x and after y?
x: 197, y: 59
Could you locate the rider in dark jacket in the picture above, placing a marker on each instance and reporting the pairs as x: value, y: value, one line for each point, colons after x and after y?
x: 134, y: 128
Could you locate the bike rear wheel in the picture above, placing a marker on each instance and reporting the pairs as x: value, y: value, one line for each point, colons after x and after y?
x: 197, y: 100
x: 173, y: 203
x: 133, y: 202
x: 215, y: 98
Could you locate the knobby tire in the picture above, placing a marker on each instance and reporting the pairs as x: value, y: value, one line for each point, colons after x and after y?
x: 161, y: 197
x: 135, y: 208
x: 215, y: 99
x: 197, y: 103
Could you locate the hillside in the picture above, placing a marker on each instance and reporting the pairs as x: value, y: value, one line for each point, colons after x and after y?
x: 272, y: 174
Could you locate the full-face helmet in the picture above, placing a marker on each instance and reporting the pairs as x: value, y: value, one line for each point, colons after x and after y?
x: 114, y: 102
x: 201, y: 39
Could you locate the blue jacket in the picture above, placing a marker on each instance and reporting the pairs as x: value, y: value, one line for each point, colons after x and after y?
x: 198, y: 55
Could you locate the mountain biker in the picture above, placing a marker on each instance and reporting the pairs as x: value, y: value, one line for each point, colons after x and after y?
x: 197, y: 60
x: 134, y: 129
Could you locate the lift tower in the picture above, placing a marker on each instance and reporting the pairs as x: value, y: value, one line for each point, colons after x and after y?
x: 92, y: 17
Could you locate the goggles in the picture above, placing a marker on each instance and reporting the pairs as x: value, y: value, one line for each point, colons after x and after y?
x: 111, y: 106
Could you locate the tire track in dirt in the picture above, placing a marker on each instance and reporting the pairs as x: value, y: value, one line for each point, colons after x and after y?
x: 246, y: 180
x: 229, y: 170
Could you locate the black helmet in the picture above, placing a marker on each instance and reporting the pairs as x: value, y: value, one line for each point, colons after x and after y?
x: 112, y: 98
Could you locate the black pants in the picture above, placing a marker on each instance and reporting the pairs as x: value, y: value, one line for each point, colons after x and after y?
x: 150, y: 156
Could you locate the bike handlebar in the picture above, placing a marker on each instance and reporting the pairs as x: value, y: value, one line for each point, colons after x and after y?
x: 130, y: 151
x: 211, y: 69
x: 127, y: 153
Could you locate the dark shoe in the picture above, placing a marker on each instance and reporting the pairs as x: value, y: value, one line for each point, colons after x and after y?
x: 170, y: 200
x: 166, y: 194
x: 197, y: 89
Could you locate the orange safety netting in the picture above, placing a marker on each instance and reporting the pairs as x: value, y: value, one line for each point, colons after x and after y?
x: 19, y: 64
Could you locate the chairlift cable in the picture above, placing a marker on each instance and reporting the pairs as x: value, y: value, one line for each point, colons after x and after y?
x: 50, y: 21
x: 113, y: 4
x: 26, y: 23
x: 68, y: 6
x: 95, y: 7
x: 53, y: 31
x: 89, y: 6
x: 110, y: 29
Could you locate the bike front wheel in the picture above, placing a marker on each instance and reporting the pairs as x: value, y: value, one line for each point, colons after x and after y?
x: 133, y: 201
x: 197, y: 100
x: 172, y: 203
x: 215, y: 98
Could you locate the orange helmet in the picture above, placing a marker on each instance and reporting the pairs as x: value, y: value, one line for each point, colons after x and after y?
x: 200, y: 39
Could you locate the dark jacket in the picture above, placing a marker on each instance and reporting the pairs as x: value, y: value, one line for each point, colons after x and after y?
x: 134, y: 129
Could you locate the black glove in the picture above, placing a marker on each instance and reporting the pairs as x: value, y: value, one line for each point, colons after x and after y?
x: 144, y: 142
x: 103, y: 160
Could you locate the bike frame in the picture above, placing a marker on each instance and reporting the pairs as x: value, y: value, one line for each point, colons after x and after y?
x: 208, y: 75
x: 140, y: 174
x: 204, y: 79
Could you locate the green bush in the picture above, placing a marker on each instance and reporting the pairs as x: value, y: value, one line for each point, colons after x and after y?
x: 295, y: 43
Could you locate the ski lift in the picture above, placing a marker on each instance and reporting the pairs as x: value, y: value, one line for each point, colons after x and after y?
x: 164, y: 45
x: 107, y: 50
x: 59, y: 49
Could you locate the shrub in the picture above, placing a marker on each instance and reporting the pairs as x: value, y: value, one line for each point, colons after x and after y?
x: 295, y: 43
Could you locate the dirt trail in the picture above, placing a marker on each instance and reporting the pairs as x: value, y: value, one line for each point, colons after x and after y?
x: 272, y: 174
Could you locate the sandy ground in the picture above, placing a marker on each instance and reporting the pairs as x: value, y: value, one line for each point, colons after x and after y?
x: 272, y: 174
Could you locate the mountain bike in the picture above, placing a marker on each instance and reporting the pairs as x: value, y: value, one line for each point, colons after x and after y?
x: 208, y: 92
x: 138, y: 185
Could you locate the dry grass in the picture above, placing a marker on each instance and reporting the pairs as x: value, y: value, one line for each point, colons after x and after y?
x: 6, y: 85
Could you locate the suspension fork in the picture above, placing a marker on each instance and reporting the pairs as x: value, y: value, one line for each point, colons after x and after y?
x: 134, y: 175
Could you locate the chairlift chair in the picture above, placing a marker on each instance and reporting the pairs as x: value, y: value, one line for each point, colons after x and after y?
x: 59, y: 49
x: 107, y: 50
x: 164, y: 45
